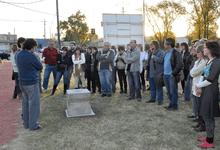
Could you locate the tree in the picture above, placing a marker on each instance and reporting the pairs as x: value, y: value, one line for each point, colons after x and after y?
x: 161, y: 18
x: 76, y: 29
x: 203, y: 18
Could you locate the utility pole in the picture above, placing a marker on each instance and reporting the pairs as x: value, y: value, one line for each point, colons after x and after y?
x: 143, y: 24
x: 44, y: 29
x: 58, y: 25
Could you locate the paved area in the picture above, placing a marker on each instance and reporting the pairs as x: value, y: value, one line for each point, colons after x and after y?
x: 9, y: 108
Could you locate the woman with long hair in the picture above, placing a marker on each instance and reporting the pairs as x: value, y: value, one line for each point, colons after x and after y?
x: 78, y: 59
x: 209, y: 90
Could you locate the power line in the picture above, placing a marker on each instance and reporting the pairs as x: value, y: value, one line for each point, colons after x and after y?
x: 33, y: 10
x: 33, y: 2
x: 15, y: 20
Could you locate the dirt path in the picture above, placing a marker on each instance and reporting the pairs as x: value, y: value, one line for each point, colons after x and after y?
x: 9, y: 109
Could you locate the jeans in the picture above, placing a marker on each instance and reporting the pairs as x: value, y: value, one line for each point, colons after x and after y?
x: 47, y: 71
x: 114, y: 79
x: 95, y: 81
x: 143, y: 80
x: 156, y: 91
x: 17, y: 91
x: 105, y: 77
x: 188, y: 88
x: 134, y: 84
x: 196, y: 102
x: 122, y: 80
x: 59, y: 76
x: 69, y: 75
x: 30, y: 105
x: 172, y: 89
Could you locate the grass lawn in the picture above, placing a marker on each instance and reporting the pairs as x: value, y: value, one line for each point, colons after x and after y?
x: 118, y: 125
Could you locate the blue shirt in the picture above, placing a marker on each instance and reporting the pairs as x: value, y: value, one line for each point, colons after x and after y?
x: 28, y: 67
x: 167, y: 62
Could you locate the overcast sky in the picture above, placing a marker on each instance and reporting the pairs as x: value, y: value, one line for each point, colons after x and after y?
x: 30, y: 24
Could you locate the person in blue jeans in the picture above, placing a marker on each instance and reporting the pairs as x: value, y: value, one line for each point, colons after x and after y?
x: 106, y: 60
x: 62, y: 70
x: 172, y: 71
x: 156, y: 73
x: 28, y: 69
x: 50, y: 59
x: 132, y: 60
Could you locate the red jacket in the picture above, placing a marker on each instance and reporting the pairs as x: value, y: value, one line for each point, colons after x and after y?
x: 50, y: 55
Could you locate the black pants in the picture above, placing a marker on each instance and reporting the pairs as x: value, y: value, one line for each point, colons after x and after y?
x: 95, y: 81
x: 122, y: 80
x: 143, y: 85
x: 17, y: 90
x: 89, y: 80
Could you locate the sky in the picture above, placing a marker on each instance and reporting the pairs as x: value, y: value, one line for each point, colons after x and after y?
x: 31, y: 24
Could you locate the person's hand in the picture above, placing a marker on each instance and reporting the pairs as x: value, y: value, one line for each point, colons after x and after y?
x: 198, y: 91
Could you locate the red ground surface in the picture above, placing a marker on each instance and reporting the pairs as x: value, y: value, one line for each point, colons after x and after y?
x: 9, y: 109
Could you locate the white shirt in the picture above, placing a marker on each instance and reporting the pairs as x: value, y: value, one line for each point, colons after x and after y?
x: 14, y: 66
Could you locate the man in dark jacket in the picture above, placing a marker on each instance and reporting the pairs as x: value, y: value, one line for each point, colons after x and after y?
x: 172, y: 68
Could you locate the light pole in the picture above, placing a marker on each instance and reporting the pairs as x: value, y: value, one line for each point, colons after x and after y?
x: 144, y: 24
x: 58, y: 25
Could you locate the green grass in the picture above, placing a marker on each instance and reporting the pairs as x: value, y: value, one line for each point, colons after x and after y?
x: 118, y: 125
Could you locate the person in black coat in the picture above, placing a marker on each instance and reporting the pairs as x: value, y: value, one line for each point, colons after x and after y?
x: 88, y: 57
x: 94, y: 71
x: 62, y: 63
x: 187, y: 61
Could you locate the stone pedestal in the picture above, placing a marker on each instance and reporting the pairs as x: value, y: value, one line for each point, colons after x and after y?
x: 78, y: 103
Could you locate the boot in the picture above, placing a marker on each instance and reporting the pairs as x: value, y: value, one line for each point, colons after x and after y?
x: 64, y: 89
x: 54, y: 89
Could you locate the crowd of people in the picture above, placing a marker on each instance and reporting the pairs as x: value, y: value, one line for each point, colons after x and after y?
x: 196, y: 67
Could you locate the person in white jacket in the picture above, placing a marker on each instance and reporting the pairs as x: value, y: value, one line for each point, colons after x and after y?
x: 196, y: 74
x: 78, y: 59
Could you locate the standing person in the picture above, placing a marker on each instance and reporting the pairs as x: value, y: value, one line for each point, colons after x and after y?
x: 17, y: 91
x: 114, y: 70
x: 143, y: 62
x: 120, y: 64
x: 78, y: 59
x: 50, y: 59
x: 133, y: 71
x: 62, y: 66
x: 105, y: 67
x: 94, y: 71
x: 28, y: 70
x: 209, y: 90
x: 196, y: 74
x: 187, y: 60
x: 156, y: 73
x: 88, y: 57
x: 69, y: 66
x: 172, y: 68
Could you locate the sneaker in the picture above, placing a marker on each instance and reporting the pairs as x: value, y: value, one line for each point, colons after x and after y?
x: 206, y: 145
x: 191, y: 116
x: 103, y: 95
x: 139, y: 99
x: 130, y: 99
x: 151, y: 101
x: 160, y: 103
x: 109, y: 95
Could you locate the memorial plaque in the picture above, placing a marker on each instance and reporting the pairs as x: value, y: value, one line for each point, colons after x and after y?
x: 78, y: 103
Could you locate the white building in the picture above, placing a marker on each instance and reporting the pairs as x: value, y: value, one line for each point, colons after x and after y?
x: 120, y: 29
